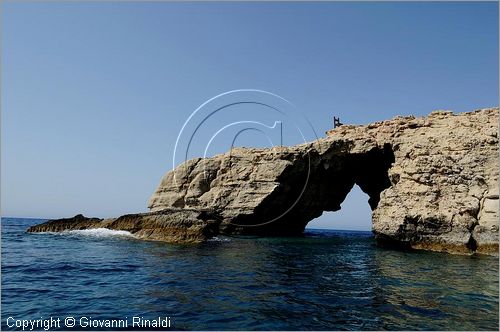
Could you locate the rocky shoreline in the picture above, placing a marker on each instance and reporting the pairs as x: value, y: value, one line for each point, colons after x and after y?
x: 432, y: 184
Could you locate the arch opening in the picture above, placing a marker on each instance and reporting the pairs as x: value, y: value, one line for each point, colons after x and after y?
x: 328, y: 177
x: 355, y: 214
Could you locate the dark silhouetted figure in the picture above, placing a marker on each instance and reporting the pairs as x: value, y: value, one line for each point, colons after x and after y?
x: 336, y: 122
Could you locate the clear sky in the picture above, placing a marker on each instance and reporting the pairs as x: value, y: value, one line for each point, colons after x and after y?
x: 94, y: 94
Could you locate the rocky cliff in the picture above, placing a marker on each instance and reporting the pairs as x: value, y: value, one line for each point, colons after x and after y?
x: 432, y: 183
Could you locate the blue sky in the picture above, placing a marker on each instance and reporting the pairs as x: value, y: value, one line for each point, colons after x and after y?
x: 94, y: 94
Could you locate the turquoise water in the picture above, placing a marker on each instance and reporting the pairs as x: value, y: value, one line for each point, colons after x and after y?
x: 327, y: 280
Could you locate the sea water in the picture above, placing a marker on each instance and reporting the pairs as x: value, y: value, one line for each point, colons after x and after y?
x: 326, y: 280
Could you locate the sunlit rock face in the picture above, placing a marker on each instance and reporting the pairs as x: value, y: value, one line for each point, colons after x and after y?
x: 277, y: 192
x: 444, y: 183
x: 432, y: 182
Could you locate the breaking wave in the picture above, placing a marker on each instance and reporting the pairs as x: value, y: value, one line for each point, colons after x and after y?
x: 219, y: 239
x: 99, y: 232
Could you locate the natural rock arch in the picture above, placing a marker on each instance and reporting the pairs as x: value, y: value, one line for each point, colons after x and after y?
x: 432, y: 184
x: 441, y: 192
x: 317, y: 183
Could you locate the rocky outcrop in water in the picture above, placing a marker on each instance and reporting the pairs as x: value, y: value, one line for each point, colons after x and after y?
x: 169, y: 225
x: 432, y: 183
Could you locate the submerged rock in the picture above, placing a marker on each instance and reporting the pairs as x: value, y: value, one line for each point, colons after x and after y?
x: 432, y: 184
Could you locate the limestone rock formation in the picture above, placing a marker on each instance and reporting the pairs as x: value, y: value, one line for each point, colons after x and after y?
x: 444, y: 181
x: 276, y: 192
x: 77, y: 222
x: 169, y: 225
x: 432, y: 184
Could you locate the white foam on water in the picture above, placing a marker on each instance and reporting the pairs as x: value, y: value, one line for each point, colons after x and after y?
x: 219, y: 239
x: 99, y: 232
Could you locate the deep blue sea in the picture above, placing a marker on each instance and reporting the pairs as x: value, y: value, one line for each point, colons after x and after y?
x: 327, y: 280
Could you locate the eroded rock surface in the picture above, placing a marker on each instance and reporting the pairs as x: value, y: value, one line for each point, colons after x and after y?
x: 277, y: 192
x: 432, y: 184
x: 169, y: 225
x: 444, y: 182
